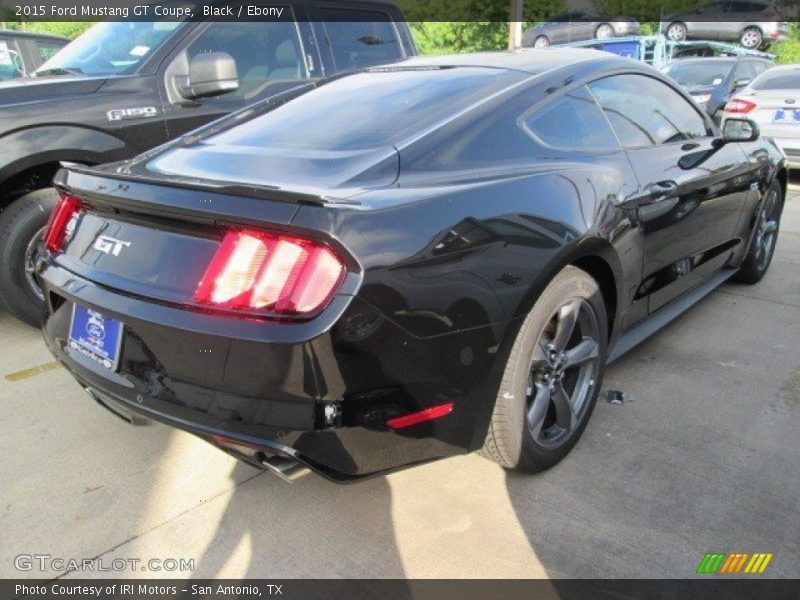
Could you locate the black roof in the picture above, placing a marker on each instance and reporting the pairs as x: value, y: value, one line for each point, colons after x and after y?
x: 31, y: 34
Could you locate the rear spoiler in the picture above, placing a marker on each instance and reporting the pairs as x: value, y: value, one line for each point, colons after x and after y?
x: 263, y: 192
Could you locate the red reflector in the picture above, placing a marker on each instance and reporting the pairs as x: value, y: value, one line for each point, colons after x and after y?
x: 283, y: 274
x: 429, y: 414
x: 61, y: 222
x: 739, y: 106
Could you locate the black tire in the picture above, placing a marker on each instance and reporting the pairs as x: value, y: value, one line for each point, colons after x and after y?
x: 762, y: 245
x: 20, y: 224
x: 541, y: 41
x: 517, y: 437
x: 752, y: 38
x: 676, y: 32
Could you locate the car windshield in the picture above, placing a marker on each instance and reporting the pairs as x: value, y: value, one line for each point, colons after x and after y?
x: 110, y: 48
x: 369, y: 109
x: 778, y: 80
x: 707, y: 72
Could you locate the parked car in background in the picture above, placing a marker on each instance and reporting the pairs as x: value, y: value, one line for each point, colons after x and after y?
x: 124, y: 87
x: 22, y: 52
x: 752, y: 23
x: 576, y: 26
x: 772, y: 100
x: 406, y: 263
x: 711, y: 81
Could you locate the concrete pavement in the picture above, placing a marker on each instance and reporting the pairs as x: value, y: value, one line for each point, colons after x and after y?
x: 705, y: 457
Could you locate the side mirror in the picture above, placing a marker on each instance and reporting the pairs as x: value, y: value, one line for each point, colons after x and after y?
x: 210, y: 74
x: 740, y: 130
x: 740, y: 83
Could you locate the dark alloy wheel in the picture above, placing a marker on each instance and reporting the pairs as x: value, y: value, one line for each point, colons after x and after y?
x: 762, y: 247
x: 552, y: 377
x: 563, y: 373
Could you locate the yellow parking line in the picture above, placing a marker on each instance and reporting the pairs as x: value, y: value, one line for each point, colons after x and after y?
x: 24, y: 374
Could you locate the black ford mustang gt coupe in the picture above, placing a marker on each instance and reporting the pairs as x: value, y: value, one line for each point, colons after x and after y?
x: 405, y: 263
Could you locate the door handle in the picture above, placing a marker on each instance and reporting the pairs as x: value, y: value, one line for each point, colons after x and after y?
x: 662, y: 190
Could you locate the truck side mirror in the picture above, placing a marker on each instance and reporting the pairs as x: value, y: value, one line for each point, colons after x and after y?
x: 210, y: 74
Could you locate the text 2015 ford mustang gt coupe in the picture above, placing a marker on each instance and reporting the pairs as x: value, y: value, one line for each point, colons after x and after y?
x: 405, y: 263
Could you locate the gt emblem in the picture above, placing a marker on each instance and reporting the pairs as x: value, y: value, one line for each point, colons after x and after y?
x: 118, y: 114
x: 109, y: 245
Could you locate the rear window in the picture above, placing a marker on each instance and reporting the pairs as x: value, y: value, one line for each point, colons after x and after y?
x: 47, y: 49
x: 369, y: 109
x: 778, y: 80
x: 711, y: 72
x: 360, y: 38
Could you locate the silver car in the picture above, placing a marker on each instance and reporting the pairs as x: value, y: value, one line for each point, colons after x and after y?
x: 577, y: 26
x: 752, y: 23
x: 772, y: 100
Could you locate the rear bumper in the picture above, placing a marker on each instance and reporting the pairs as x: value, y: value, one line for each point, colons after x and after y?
x: 311, y: 391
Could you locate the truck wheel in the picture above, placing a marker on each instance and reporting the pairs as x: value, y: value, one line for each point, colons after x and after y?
x: 552, y: 377
x: 22, y: 226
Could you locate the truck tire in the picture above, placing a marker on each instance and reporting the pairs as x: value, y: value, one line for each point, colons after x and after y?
x: 22, y: 225
x: 552, y: 377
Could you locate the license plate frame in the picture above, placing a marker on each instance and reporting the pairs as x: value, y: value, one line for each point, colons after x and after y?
x: 96, y: 336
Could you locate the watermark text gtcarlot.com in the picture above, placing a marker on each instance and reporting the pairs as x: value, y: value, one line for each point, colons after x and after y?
x: 48, y: 562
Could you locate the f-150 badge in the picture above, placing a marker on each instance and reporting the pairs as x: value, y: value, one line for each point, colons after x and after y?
x: 119, y: 114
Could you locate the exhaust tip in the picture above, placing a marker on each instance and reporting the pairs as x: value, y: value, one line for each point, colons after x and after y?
x: 284, y: 467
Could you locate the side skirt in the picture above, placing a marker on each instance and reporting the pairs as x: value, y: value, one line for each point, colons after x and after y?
x: 666, y: 314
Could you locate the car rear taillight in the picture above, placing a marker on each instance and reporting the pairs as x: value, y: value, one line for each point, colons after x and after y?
x: 61, y: 221
x: 270, y: 272
x: 739, y: 106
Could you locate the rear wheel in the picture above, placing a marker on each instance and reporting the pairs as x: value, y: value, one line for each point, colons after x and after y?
x: 762, y: 247
x: 553, y: 376
x: 22, y: 227
x: 541, y: 42
x: 604, y: 31
x: 751, y: 38
x: 676, y: 32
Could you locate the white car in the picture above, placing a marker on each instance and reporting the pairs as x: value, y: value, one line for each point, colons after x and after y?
x: 772, y: 100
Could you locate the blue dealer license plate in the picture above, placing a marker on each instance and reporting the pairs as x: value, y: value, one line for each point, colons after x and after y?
x: 786, y: 115
x: 95, y: 336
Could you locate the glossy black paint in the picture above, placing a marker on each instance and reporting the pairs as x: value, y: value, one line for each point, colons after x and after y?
x: 444, y: 261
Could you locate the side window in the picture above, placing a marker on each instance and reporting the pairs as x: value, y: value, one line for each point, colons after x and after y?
x: 360, y: 38
x: 744, y: 70
x: 715, y: 7
x: 572, y: 121
x: 263, y: 51
x: 11, y: 66
x: 47, y: 49
x: 760, y: 67
x: 644, y: 111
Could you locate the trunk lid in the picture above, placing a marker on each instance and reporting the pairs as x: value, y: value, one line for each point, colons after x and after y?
x: 155, y: 241
x: 775, y: 112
